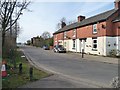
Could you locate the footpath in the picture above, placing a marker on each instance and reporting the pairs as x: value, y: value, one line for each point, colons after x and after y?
x: 110, y: 60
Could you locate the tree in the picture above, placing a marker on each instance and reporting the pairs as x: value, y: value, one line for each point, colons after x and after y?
x: 62, y: 23
x: 63, y: 19
x: 10, y: 11
x: 28, y: 42
x: 58, y: 26
x: 46, y: 35
x: 72, y: 21
x: 51, y: 41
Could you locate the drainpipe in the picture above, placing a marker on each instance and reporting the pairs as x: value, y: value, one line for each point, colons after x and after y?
x: 105, y: 42
x: 63, y: 39
x: 117, y: 41
x: 76, y: 38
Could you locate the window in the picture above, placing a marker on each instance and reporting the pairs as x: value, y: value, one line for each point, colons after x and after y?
x: 73, y: 44
x: 94, y: 43
x: 65, y: 34
x: 94, y: 28
x: 64, y: 44
x: 55, y: 36
x: 74, y: 32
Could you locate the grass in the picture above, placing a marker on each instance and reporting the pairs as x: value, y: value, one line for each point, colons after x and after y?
x: 14, y: 79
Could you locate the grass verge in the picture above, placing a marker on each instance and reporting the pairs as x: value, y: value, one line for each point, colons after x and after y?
x: 14, y: 79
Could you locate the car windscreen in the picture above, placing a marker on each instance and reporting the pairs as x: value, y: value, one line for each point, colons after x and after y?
x: 60, y: 46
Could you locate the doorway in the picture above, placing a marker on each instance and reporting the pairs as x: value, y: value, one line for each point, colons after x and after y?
x: 82, y: 44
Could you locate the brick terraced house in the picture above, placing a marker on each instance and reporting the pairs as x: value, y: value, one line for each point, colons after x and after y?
x: 95, y: 35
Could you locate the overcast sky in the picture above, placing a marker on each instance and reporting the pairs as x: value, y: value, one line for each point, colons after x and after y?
x: 46, y: 15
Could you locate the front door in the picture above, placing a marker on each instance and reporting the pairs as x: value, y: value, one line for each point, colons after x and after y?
x: 82, y: 45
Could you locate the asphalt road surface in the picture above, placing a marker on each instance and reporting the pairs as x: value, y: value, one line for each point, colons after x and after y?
x: 73, y: 68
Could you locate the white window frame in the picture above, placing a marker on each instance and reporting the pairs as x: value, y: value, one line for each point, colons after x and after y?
x: 94, y: 28
x: 65, y: 34
x: 94, y: 43
x: 74, y: 33
x: 65, y: 44
x: 74, y: 43
x: 55, y: 36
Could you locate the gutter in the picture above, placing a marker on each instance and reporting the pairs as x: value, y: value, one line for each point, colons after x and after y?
x: 79, y: 26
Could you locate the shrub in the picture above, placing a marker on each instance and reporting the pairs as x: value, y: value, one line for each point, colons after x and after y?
x: 114, y: 53
x: 115, y: 83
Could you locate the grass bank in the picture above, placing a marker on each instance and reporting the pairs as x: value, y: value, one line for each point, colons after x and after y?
x: 14, y: 79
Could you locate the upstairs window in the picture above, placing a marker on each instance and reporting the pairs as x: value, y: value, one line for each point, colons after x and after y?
x: 74, y: 33
x: 65, y: 34
x: 94, y: 28
x: 55, y: 36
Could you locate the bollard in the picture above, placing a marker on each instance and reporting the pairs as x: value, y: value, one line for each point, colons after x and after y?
x: 82, y: 53
x: 20, y: 68
x: 31, y: 73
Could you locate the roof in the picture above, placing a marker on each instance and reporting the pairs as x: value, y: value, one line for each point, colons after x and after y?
x: 94, y: 19
x: 117, y: 19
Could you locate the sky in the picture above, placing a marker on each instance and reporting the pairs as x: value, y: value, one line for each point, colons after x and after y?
x: 46, y: 15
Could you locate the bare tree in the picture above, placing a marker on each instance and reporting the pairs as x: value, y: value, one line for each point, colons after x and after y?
x: 62, y: 23
x: 58, y: 26
x: 10, y: 11
x: 28, y: 42
x: 63, y: 19
x: 46, y: 35
x: 16, y: 30
x: 71, y: 22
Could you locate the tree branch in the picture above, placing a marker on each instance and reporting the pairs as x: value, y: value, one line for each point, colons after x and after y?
x: 24, y: 5
x: 12, y: 5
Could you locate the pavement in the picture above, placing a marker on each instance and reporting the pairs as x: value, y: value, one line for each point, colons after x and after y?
x: 104, y: 59
x: 70, y: 68
x: 55, y: 81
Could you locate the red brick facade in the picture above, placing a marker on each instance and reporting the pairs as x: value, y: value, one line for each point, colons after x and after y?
x: 58, y: 37
x: 104, y: 28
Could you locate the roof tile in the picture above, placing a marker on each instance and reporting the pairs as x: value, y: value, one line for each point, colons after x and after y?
x: 94, y: 19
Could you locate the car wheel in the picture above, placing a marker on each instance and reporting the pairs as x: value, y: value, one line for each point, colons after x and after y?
x: 57, y: 51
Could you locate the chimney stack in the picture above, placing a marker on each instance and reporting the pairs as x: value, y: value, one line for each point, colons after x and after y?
x: 80, y: 18
x: 117, y: 4
x: 63, y: 24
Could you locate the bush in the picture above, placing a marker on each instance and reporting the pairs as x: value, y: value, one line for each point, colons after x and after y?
x: 114, y: 53
x: 115, y: 83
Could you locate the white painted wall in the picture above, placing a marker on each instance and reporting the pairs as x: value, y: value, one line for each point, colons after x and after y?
x: 60, y: 42
x: 71, y: 46
x: 103, y: 47
x: 118, y: 42
x: 89, y: 44
x: 114, y: 43
x: 67, y: 45
x: 78, y: 45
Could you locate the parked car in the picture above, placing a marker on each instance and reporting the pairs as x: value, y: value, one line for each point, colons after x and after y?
x: 59, y: 48
x: 45, y: 47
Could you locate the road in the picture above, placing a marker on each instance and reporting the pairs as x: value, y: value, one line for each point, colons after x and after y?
x: 72, y: 67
